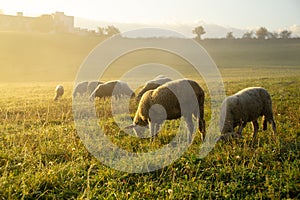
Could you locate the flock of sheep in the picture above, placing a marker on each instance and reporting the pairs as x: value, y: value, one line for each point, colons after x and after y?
x: 163, y: 99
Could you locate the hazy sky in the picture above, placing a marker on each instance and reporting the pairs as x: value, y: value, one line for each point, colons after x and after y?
x: 272, y: 14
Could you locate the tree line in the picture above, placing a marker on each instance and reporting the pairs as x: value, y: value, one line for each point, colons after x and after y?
x: 261, y: 33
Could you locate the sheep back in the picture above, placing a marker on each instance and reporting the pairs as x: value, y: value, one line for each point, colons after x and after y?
x: 245, y: 106
x: 112, y: 88
x: 167, y: 96
x: 92, y: 85
x: 80, y: 89
x: 152, y: 84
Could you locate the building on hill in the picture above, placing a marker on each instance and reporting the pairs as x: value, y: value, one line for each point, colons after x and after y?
x: 15, y: 23
x: 56, y: 22
x: 63, y: 22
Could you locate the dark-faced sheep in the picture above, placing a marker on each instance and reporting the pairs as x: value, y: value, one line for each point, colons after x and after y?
x: 171, y: 100
x: 80, y: 89
x: 245, y: 106
x: 151, y: 85
x: 112, y: 88
x: 59, y: 91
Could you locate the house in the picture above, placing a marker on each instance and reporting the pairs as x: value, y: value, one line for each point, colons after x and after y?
x: 56, y: 22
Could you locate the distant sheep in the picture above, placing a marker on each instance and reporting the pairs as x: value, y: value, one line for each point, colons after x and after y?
x: 59, y: 91
x: 245, y: 106
x: 92, y: 86
x: 80, y: 89
x: 112, y: 88
x: 151, y: 85
x: 171, y: 101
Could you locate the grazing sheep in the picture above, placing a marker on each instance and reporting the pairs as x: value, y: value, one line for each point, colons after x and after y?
x: 112, y: 88
x: 92, y: 86
x: 245, y: 106
x: 151, y: 85
x: 80, y: 89
x: 171, y: 101
x: 59, y: 91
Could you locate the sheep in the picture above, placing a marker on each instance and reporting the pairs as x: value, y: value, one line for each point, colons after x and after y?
x: 171, y: 100
x: 80, y: 89
x: 152, y: 84
x: 245, y: 106
x: 92, y: 86
x: 111, y: 88
x: 59, y: 91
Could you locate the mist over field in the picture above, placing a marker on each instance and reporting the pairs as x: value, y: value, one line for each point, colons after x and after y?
x: 58, y: 57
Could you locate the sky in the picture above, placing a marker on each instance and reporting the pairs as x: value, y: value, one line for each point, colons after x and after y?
x: 275, y: 15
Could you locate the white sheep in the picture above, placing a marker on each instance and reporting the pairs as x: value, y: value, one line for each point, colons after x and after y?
x: 171, y: 101
x: 151, y: 85
x: 59, y: 91
x: 80, y: 89
x: 112, y: 88
x: 245, y: 106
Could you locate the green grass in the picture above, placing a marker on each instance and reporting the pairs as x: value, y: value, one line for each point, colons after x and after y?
x: 42, y: 156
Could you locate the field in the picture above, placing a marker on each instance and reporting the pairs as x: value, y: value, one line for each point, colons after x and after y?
x: 42, y: 156
x: 44, y: 57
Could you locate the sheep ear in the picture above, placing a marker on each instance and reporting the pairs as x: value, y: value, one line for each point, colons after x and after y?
x: 130, y: 126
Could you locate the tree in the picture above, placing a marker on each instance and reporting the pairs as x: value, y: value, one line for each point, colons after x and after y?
x: 285, y: 34
x: 199, y: 30
x: 111, y: 30
x: 229, y: 35
x: 262, y: 33
x: 101, y: 31
x: 107, y: 31
x: 273, y: 35
x: 248, y: 35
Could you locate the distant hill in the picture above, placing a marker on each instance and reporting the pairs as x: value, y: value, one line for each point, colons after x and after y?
x: 254, y: 52
x: 39, y: 57
x: 46, y: 57
x: 212, y: 30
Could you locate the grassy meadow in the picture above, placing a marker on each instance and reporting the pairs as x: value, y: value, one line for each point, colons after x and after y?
x: 42, y: 156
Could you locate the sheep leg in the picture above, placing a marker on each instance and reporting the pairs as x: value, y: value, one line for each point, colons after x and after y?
x: 273, y: 126
x: 152, y: 128
x: 202, y: 128
x: 157, y: 128
x: 265, y: 124
x: 255, y: 127
x: 201, y: 122
x: 269, y: 118
x: 241, y: 127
